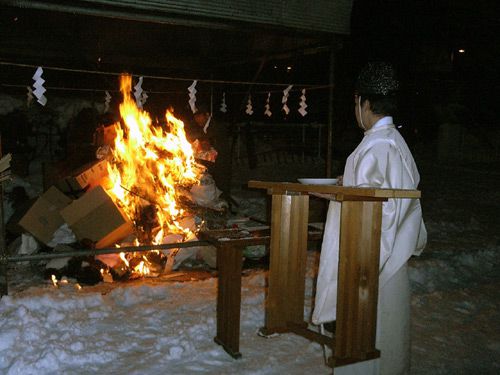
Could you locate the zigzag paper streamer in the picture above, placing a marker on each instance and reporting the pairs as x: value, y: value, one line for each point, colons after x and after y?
x: 302, y: 104
x: 223, y: 106
x: 107, y: 100
x: 249, y: 110
x: 192, y: 96
x: 286, y: 109
x: 38, y: 85
x: 144, y: 97
x: 285, y: 99
x: 29, y: 96
x: 138, y: 93
x: 268, y: 112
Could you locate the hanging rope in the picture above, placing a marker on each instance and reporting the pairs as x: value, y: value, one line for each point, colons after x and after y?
x: 214, y: 81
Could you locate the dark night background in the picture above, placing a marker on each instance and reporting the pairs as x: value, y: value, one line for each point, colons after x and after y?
x: 421, y: 38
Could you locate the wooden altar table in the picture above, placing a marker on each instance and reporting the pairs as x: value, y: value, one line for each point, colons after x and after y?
x: 360, y: 228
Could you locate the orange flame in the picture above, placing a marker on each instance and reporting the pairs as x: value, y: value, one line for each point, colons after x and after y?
x: 150, y: 168
x: 54, y: 281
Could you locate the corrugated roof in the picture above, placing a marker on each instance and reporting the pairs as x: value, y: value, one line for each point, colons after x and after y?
x: 330, y: 16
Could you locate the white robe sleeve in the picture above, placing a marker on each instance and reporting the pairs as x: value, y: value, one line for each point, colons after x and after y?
x: 326, y: 290
x: 380, y: 166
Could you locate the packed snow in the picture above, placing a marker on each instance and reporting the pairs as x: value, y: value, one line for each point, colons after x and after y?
x: 163, y: 326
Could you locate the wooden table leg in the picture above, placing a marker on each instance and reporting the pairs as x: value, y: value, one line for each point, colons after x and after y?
x: 287, y: 268
x: 229, y: 265
x: 358, y: 281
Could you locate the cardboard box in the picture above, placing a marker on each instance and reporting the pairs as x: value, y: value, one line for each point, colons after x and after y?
x: 43, y: 218
x: 96, y: 217
x: 86, y: 178
x: 91, y: 175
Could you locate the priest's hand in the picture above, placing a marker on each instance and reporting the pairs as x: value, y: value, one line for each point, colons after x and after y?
x: 340, y: 180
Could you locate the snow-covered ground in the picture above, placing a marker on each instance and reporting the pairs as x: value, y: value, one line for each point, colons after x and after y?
x: 167, y: 327
x: 456, y: 281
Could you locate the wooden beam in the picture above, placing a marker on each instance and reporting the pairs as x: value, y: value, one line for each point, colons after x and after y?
x: 317, y: 337
x: 346, y: 192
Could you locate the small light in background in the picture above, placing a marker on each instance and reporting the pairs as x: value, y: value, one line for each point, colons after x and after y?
x: 461, y: 50
x: 15, y: 19
x: 288, y: 68
x: 276, y: 67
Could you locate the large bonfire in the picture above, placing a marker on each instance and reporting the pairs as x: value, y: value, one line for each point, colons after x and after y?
x: 152, y: 165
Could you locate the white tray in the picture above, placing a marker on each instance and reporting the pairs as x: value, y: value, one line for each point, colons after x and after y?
x: 318, y: 181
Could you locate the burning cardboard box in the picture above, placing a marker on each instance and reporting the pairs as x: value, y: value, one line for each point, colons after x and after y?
x: 97, y: 218
x: 43, y: 218
x: 86, y: 177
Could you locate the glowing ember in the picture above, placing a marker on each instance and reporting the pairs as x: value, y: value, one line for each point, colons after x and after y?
x: 151, y: 166
x: 142, y: 267
x: 106, y: 276
x: 54, y: 281
x: 125, y: 260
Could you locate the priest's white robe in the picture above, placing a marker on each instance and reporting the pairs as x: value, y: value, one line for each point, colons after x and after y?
x: 381, y: 160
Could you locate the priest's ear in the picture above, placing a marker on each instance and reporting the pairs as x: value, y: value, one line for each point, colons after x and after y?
x: 366, y: 104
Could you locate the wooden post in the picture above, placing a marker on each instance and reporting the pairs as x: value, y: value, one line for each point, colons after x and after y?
x: 285, y: 300
x: 358, y: 281
x: 229, y: 265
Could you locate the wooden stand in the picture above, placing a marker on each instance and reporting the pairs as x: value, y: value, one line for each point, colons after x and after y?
x: 230, y: 244
x: 360, y: 228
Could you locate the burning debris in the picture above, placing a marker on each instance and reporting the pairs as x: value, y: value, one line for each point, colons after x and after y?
x: 145, y: 189
x: 151, y: 168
